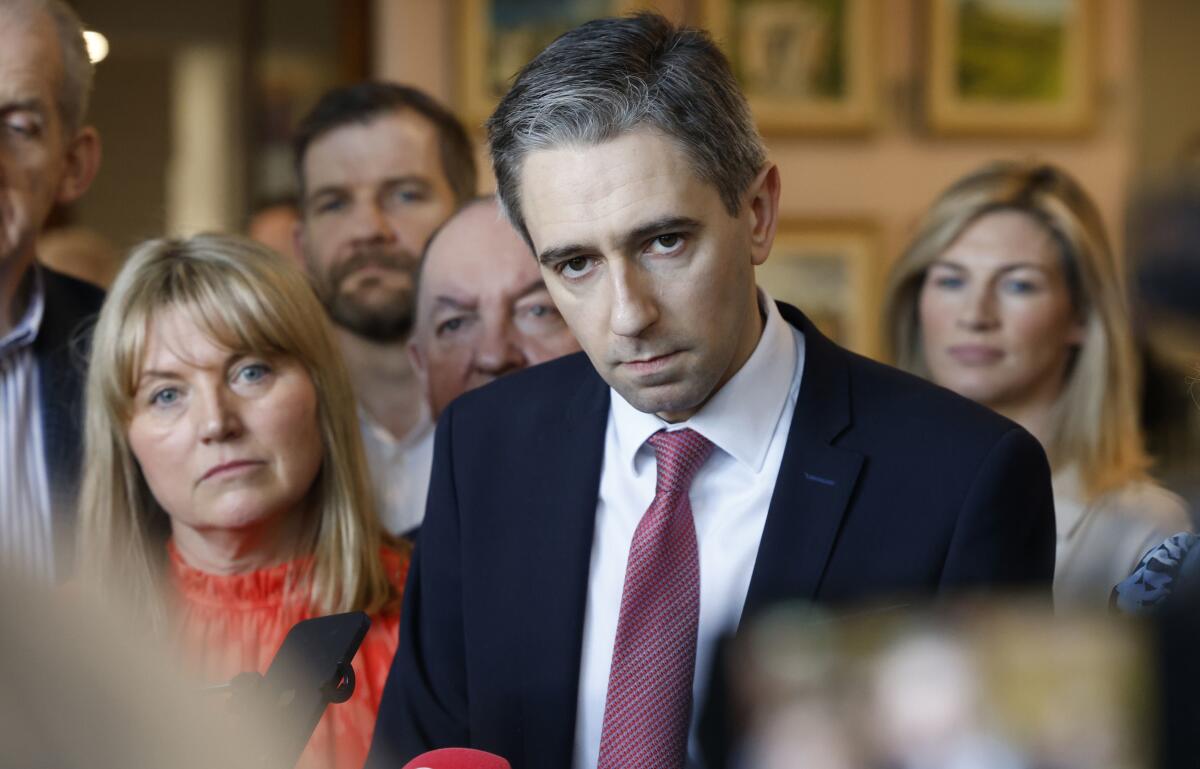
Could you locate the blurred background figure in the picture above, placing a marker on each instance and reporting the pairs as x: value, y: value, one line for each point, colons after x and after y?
x: 225, y: 493
x: 996, y: 686
x: 81, y: 253
x: 1010, y: 295
x: 1164, y: 245
x: 482, y: 307
x: 381, y: 166
x: 84, y: 692
x: 273, y: 223
x: 47, y: 157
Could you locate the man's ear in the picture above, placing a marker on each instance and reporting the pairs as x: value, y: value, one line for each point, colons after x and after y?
x: 763, y: 203
x: 83, y: 162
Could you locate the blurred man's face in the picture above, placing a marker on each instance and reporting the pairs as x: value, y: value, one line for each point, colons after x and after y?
x: 32, y: 137
x: 374, y: 193
x: 483, y: 309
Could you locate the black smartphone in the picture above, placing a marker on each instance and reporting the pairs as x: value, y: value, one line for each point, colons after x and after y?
x: 310, y: 671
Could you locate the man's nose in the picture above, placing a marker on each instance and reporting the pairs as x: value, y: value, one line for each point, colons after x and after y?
x: 372, y: 224
x: 499, y: 352
x: 218, y: 415
x: 634, y: 306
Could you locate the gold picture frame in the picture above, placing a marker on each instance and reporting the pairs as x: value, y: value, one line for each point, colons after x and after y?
x: 806, y: 66
x: 1011, y: 67
x: 498, y: 37
x: 830, y: 269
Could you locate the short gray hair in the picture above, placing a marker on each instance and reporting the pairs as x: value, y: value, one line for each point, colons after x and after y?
x: 611, y: 76
x: 75, y: 89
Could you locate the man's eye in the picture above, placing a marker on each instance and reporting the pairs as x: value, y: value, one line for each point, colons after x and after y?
x: 449, y: 326
x: 25, y: 127
x: 408, y: 195
x: 667, y: 244
x: 576, y: 267
x: 329, y: 205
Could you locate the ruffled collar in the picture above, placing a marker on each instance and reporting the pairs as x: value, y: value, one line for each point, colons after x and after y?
x: 259, y: 589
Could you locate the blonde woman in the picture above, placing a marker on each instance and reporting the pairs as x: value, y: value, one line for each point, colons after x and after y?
x: 225, y: 491
x: 1010, y: 295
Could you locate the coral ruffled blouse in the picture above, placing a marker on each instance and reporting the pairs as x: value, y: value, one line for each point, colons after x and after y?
x: 235, y: 624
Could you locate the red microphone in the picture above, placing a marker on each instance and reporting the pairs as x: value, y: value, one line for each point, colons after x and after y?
x: 458, y: 758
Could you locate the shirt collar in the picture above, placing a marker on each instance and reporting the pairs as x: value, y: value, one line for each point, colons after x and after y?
x: 741, y: 417
x: 26, y: 330
x: 422, y: 427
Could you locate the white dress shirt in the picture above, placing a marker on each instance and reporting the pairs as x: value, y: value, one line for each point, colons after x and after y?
x: 748, y: 421
x: 26, y: 542
x: 400, y: 470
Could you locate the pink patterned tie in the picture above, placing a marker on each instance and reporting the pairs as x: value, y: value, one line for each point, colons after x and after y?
x: 649, y: 704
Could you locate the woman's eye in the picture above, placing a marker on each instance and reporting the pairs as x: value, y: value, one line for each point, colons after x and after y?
x: 1020, y: 287
x: 253, y: 373
x: 164, y: 397
x: 948, y: 281
x: 576, y: 267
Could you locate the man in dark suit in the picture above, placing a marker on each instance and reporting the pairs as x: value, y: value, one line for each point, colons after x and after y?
x: 47, y: 157
x: 596, y: 523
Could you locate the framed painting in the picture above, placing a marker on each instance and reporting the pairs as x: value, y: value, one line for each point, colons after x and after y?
x: 830, y: 270
x: 498, y: 37
x: 806, y: 66
x: 1010, y: 67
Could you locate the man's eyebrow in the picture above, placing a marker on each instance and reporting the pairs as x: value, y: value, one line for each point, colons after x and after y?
x: 662, y: 226
x: 392, y: 181
x: 630, y: 241
x: 453, y: 303
x: 532, y: 287
x: 33, y: 104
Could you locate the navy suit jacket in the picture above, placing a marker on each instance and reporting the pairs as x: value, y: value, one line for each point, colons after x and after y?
x: 60, y: 355
x: 888, y: 486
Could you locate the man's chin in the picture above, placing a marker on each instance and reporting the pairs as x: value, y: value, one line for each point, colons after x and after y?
x: 667, y: 398
x: 383, y: 327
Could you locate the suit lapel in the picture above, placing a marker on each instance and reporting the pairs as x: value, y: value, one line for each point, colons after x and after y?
x: 815, y: 482
x: 557, y: 542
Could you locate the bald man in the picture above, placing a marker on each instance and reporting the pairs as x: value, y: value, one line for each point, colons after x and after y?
x: 482, y: 308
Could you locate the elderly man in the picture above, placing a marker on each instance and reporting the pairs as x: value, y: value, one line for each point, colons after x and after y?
x: 482, y: 307
x: 596, y: 523
x: 47, y: 157
x: 381, y: 166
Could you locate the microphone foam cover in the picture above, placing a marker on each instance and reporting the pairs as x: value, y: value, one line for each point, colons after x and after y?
x: 458, y: 758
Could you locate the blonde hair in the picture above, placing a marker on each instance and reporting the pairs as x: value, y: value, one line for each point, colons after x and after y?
x: 1094, y: 424
x: 248, y: 299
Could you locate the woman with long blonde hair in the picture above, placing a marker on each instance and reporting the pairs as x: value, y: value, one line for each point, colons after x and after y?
x: 1010, y: 295
x: 225, y: 494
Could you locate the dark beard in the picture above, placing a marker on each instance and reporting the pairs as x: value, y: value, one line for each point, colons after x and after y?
x: 391, y: 322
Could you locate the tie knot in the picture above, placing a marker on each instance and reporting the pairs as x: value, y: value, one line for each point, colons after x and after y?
x: 680, y: 455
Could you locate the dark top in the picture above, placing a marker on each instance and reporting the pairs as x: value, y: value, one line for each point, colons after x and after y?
x: 60, y: 351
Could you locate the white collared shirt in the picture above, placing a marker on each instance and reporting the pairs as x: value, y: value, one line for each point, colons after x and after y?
x: 26, y: 541
x: 748, y: 421
x: 400, y: 470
